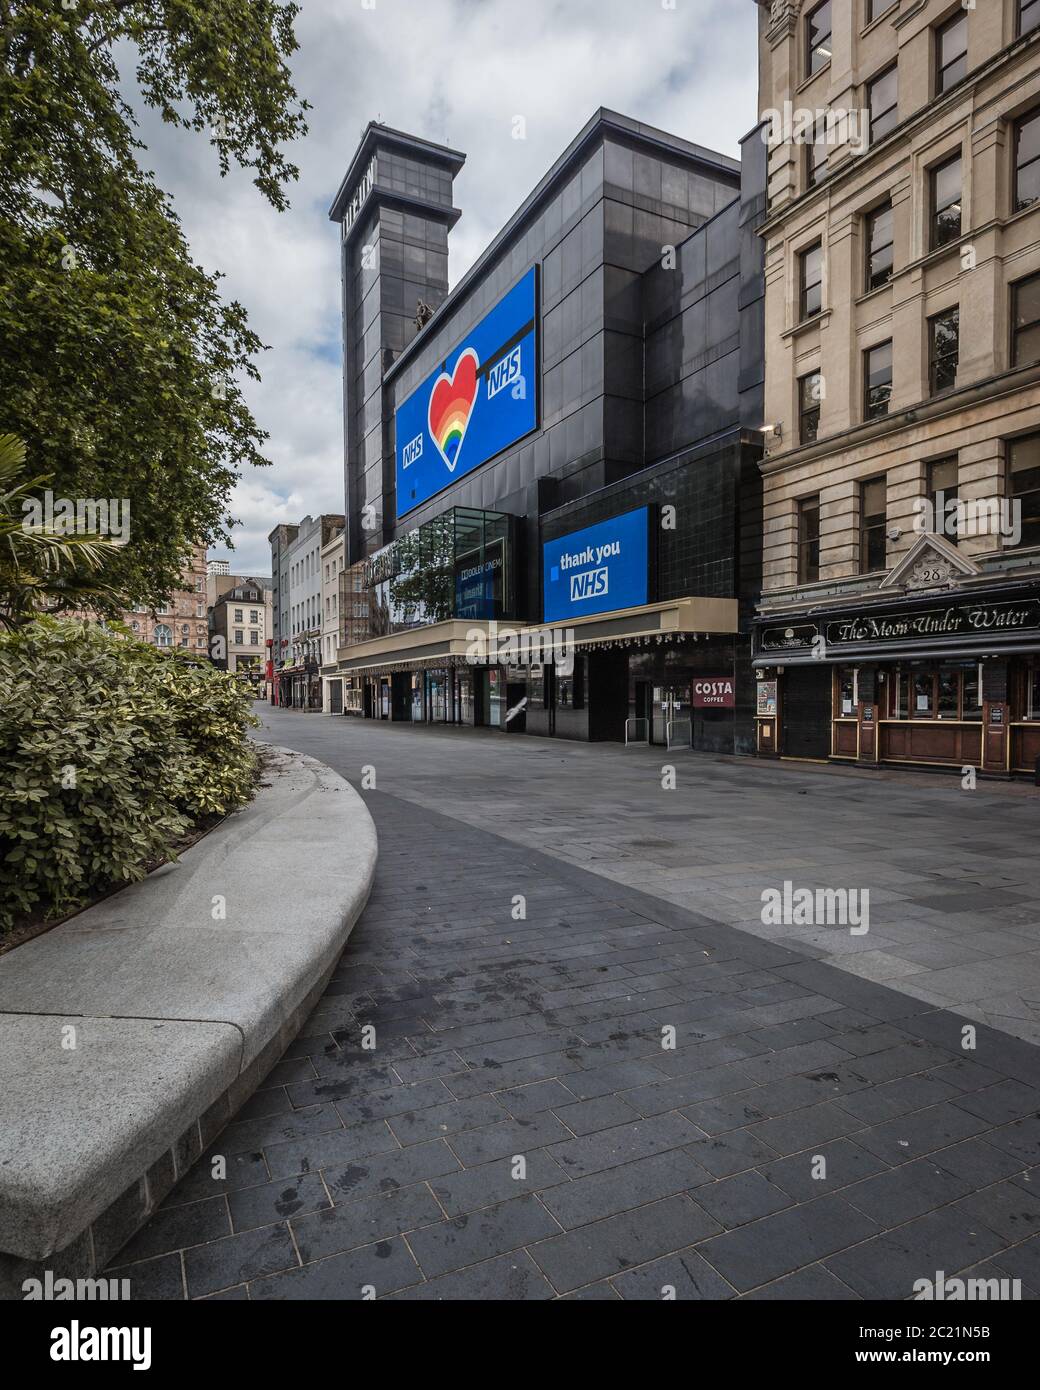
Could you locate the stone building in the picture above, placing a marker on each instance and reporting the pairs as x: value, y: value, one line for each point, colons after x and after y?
x: 900, y: 616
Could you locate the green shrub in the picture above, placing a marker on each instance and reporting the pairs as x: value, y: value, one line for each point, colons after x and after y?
x: 109, y: 750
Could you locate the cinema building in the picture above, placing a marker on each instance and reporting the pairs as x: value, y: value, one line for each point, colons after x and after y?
x: 900, y: 615
x: 563, y: 448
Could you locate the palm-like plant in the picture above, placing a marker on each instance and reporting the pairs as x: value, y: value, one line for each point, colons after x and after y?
x: 42, y: 570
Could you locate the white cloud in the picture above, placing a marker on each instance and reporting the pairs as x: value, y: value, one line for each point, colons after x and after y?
x: 451, y: 70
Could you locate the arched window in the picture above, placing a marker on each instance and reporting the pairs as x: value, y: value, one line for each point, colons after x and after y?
x: 163, y: 637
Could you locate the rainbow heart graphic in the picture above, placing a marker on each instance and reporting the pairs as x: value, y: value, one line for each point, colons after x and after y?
x: 451, y: 407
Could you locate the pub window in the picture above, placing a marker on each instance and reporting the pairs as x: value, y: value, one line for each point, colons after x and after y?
x: 847, y: 691
x: 873, y: 543
x: 942, y: 490
x: 971, y: 703
x: 1023, y: 484
x: 883, y: 103
x: 877, y: 380
x: 951, y: 52
x: 1027, y: 160
x: 1033, y: 692
x: 951, y: 691
x: 818, y: 38
x: 1028, y: 16
x: 879, y: 246
x: 924, y: 694
x: 816, y: 154
x: 943, y: 350
x: 1025, y: 320
x: 946, y: 202
x: 810, y: 273
x: 808, y: 540
x: 810, y: 390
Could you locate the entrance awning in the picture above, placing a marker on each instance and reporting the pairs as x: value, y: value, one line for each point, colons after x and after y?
x: 459, y: 641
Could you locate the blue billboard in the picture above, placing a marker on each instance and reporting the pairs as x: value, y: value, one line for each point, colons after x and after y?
x: 482, y: 398
x: 599, y: 569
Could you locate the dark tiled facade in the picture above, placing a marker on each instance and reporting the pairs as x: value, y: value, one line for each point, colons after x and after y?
x: 650, y: 353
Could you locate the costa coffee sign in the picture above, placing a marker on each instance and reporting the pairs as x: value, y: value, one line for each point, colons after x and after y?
x: 713, y: 692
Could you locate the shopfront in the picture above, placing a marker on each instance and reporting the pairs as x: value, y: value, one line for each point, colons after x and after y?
x: 933, y: 681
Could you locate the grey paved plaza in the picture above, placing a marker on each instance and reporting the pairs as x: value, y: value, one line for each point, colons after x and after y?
x: 628, y: 1086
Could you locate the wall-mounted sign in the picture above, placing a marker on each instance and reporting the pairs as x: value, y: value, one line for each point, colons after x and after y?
x: 767, y: 698
x: 713, y: 692
x: 953, y: 620
x: 996, y: 714
x: 598, y: 569
x: 482, y: 398
x: 868, y: 714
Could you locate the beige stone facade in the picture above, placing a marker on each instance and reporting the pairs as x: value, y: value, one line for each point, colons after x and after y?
x: 181, y: 621
x: 894, y: 272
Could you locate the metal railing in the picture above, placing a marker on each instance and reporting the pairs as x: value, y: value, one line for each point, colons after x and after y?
x: 634, y: 738
x: 678, y: 733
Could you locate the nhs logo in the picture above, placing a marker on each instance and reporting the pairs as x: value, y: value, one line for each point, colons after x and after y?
x: 505, y: 371
x: 411, y: 451
x: 591, y: 584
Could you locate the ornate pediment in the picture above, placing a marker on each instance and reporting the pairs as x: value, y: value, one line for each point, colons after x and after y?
x: 930, y: 563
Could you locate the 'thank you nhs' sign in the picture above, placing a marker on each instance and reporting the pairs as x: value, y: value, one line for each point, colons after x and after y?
x: 599, y: 569
x: 482, y: 399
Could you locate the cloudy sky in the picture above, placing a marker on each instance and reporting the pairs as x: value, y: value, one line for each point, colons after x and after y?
x: 457, y: 71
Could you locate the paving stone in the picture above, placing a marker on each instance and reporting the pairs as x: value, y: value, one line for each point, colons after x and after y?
x: 682, y: 1277
x: 889, y: 1265
x: 745, y: 1197
x: 845, y: 1162
x: 924, y: 1132
x: 810, y: 1127
x: 620, y: 1189
x: 588, y: 1116
x: 731, y: 1153
x: 514, y: 1278
x: 177, y: 1228
x: 237, y: 1259
x: 277, y: 1201
x: 330, y: 1150
x: 814, y: 1284
x: 616, y: 1243
x: 510, y: 1137
x: 416, y: 1125
x: 365, y: 1177
x: 905, y: 1192
x: 523, y: 1101
x: 484, y: 1186
x: 364, y: 1222
x: 607, y: 1148
x: 465, y: 1240
x: 1006, y: 1208
x: 156, y: 1279
x: 384, y: 1267
x: 775, y: 1245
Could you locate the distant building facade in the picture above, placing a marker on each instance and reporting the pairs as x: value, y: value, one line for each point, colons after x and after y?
x: 297, y: 610
x: 240, y: 623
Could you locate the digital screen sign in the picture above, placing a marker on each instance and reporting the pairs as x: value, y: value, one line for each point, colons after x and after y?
x: 482, y: 398
x: 599, y: 569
